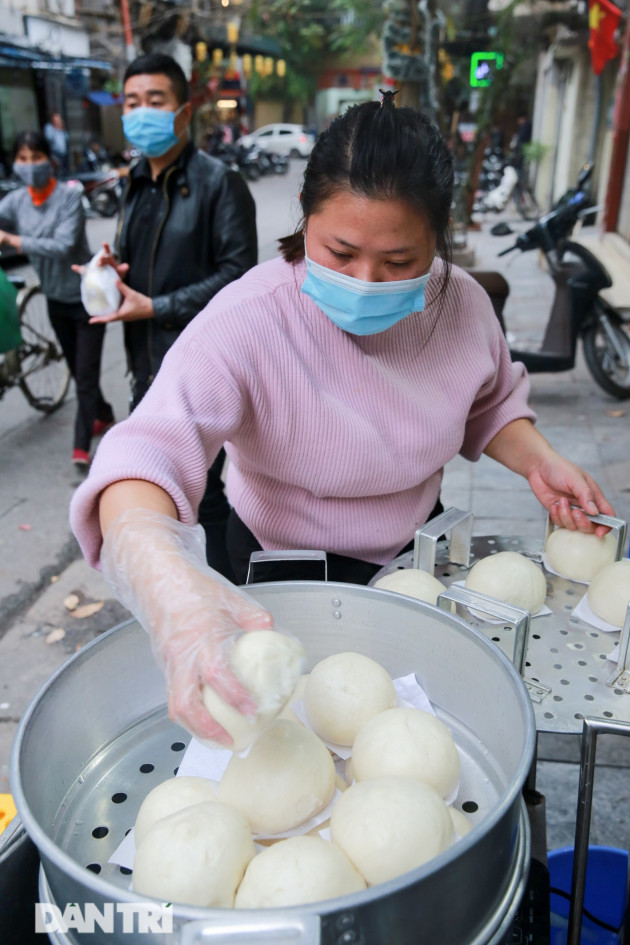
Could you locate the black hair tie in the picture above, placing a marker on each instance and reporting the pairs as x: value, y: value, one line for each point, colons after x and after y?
x: 388, y: 96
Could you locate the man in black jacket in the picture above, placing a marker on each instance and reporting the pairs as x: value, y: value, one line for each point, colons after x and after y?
x: 187, y: 228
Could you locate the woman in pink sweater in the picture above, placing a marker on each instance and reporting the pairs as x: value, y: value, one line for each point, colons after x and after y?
x: 341, y: 378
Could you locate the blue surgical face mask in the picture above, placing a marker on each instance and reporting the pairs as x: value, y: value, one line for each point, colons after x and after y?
x: 151, y: 130
x: 36, y: 176
x: 363, y: 308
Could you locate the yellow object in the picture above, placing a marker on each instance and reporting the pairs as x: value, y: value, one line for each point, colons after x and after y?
x: 281, y: 67
x: 8, y: 810
x: 259, y: 64
x: 232, y: 32
x: 247, y: 65
x: 217, y: 57
x: 201, y: 51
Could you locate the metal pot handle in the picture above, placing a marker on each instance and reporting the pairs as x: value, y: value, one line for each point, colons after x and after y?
x: 515, y: 617
x: 591, y: 728
x: 258, y: 557
x: 282, y: 929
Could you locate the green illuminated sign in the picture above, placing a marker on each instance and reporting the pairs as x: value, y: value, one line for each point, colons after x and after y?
x: 482, y: 65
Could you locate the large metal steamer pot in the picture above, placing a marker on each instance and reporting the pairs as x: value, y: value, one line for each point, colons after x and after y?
x: 97, y: 738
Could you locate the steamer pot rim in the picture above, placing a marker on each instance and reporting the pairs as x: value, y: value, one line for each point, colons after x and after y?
x: 60, y: 858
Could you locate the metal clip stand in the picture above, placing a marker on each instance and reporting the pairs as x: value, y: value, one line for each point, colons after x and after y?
x: 263, y: 557
x: 455, y: 521
x: 616, y: 524
x: 590, y: 730
x: 620, y: 676
x: 515, y: 617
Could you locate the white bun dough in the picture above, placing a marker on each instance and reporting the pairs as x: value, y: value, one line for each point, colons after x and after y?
x: 510, y: 577
x: 268, y: 664
x: 609, y: 592
x: 579, y: 556
x: 414, y: 583
x: 460, y: 822
x: 407, y: 743
x: 169, y: 797
x: 297, y: 870
x: 197, y: 856
x: 343, y: 692
x: 287, y: 777
x: 389, y: 826
x: 296, y: 696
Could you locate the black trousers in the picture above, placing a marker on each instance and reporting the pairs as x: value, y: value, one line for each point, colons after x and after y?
x: 213, y: 516
x: 82, y: 346
x: 241, y: 543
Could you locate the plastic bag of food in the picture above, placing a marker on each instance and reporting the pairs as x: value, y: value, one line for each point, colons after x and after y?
x: 99, y: 293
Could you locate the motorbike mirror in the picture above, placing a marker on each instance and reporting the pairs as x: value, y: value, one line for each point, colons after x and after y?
x: 585, y: 173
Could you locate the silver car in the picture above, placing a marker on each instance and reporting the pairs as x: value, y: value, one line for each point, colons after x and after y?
x: 282, y: 138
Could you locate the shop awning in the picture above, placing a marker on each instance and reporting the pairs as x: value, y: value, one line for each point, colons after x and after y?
x: 27, y: 57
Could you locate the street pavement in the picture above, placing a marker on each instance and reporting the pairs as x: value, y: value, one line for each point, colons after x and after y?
x: 40, y: 565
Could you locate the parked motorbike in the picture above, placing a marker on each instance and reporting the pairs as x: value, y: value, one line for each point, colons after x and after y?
x: 100, y: 191
x: 512, y: 186
x: 578, y: 310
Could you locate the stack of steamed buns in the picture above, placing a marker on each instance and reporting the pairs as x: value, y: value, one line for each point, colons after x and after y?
x: 195, y: 845
x: 515, y: 579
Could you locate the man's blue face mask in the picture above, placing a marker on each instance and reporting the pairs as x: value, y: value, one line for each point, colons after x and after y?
x: 359, y: 307
x: 151, y: 130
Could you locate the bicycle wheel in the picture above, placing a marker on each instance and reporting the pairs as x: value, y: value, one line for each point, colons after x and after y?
x: 44, y: 373
x: 607, y: 352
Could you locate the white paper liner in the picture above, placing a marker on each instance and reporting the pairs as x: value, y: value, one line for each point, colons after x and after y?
x: 543, y: 612
x: 200, y: 761
x: 583, y: 611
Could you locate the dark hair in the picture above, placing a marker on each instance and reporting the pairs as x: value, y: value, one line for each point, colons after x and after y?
x: 34, y: 140
x: 383, y: 152
x: 161, y: 64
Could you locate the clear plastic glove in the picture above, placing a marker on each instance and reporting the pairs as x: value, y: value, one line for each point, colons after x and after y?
x: 157, y: 569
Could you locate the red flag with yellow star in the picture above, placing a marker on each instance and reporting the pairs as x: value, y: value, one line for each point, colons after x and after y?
x: 603, y: 18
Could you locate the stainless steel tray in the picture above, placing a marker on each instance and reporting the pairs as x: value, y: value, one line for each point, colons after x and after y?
x: 566, y: 666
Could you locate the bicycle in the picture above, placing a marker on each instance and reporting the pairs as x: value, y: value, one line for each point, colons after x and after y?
x: 36, y: 364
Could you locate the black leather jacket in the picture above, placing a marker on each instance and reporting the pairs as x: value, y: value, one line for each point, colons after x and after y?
x: 206, y: 239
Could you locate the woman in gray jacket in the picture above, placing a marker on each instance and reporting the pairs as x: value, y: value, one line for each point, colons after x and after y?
x: 45, y: 221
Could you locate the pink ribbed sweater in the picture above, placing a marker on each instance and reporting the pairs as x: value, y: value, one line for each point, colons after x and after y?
x: 336, y: 442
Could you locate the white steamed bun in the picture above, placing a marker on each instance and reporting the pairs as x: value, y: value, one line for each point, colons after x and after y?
x: 579, y: 556
x: 414, y: 583
x: 407, y: 743
x: 169, y: 797
x: 609, y: 592
x: 343, y: 692
x: 389, y: 826
x: 269, y: 665
x: 510, y: 577
x: 287, y: 777
x: 295, y: 871
x: 197, y: 856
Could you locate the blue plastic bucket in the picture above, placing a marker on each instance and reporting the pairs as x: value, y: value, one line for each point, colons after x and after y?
x: 605, y: 896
